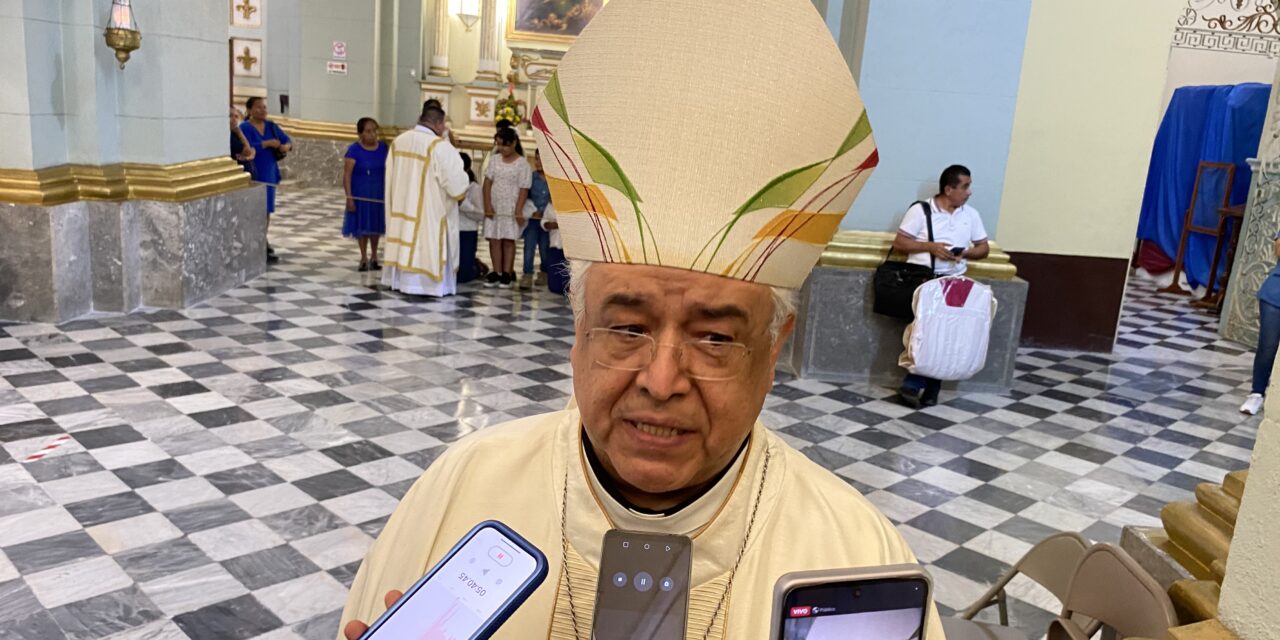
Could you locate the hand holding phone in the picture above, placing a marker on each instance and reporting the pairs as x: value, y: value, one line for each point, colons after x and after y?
x: 356, y: 628
x: 957, y: 251
x: 468, y: 594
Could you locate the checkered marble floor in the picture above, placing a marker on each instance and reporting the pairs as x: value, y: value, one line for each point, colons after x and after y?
x: 219, y: 472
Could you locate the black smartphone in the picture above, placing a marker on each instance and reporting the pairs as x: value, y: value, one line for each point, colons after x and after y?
x: 643, y: 592
x: 878, y: 602
x: 956, y: 251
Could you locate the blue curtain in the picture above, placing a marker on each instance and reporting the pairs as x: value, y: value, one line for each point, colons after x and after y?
x: 1202, y: 124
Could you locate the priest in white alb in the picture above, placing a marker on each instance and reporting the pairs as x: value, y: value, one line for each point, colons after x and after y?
x: 687, y: 240
x: 425, y: 182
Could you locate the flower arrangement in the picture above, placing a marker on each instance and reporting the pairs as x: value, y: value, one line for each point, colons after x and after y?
x: 510, y: 108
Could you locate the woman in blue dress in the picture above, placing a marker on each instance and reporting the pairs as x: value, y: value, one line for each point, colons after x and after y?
x: 364, y: 177
x: 270, y: 145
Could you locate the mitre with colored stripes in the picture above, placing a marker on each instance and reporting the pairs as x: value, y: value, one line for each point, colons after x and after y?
x: 723, y: 136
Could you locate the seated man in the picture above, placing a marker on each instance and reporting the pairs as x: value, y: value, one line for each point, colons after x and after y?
x: 686, y: 250
x: 958, y: 236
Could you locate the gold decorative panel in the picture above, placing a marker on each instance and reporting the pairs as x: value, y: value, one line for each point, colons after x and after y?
x: 246, y: 57
x: 246, y: 13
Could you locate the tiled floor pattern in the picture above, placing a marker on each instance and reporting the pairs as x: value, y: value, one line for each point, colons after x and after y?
x: 219, y: 472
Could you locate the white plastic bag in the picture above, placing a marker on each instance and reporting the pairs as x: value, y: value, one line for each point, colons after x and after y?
x: 949, y: 337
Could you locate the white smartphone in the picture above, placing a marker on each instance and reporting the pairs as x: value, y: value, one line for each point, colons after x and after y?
x: 469, y: 593
x: 887, y: 603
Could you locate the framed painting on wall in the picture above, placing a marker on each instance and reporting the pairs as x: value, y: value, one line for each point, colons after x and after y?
x: 246, y: 57
x: 246, y: 13
x: 549, y: 20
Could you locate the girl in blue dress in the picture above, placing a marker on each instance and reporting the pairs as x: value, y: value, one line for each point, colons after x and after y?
x: 364, y: 177
x: 270, y: 145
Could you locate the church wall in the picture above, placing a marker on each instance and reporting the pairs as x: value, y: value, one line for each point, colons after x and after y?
x: 1190, y: 67
x: 1249, y: 606
x: 400, y: 65
x: 384, y: 59
x: 940, y: 85
x: 330, y: 97
x: 1222, y: 43
x: 1087, y: 112
x: 67, y: 101
x: 282, y: 69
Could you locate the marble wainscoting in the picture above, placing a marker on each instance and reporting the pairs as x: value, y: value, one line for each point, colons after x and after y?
x: 838, y: 338
x: 61, y: 262
x: 314, y: 162
x: 213, y: 244
x: 44, y: 262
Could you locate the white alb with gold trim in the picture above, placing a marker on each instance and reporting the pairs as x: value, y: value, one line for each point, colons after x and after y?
x: 723, y: 136
x: 425, y: 182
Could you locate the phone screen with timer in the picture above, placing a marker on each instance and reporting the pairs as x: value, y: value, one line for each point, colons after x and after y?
x: 469, y: 593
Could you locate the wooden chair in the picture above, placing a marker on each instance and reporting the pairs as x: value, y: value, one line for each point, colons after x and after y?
x: 1189, y: 228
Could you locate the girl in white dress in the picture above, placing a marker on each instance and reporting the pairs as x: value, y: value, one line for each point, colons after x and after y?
x: 506, y: 188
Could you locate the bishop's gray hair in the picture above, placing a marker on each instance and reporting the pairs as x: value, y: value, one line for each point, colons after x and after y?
x: 784, y: 300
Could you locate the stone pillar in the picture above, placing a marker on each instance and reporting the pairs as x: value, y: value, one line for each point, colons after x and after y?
x: 117, y: 190
x: 1249, y: 606
x: 1254, y: 254
x: 440, y: 43
x: 438, y: 84
x: 489, y: 36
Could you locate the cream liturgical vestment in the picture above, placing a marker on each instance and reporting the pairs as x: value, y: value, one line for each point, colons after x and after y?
x: 425, y: 182
x: 523, y: 473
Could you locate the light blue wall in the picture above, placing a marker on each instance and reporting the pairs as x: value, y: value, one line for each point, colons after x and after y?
x: 940, y: 80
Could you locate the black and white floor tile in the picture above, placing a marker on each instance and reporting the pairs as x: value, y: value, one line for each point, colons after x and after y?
x: 219, y: 472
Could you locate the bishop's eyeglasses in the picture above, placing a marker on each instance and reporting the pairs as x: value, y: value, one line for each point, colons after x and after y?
x: 701, y: 359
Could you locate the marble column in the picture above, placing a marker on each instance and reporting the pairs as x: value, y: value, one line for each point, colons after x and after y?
x: 488, y: 69
x: 1254, y: 254
x: 440, y: 43
x: 155, y: 130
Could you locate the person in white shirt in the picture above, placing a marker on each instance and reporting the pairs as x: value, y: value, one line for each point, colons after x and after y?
x: 472, y: 216
x: 958, y: 236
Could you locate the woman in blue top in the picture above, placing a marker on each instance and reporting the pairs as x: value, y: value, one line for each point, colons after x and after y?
x: 1268, y: 336
x: 270, y: 144
x: 364, y: 177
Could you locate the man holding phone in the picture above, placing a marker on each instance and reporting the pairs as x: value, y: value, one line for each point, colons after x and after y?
x: 683, y: 273
x: 957, y: 236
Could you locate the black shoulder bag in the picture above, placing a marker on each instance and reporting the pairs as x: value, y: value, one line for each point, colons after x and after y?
x: 895, y: 283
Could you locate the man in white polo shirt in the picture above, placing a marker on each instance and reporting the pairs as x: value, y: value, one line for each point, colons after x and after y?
x: 958, y: 236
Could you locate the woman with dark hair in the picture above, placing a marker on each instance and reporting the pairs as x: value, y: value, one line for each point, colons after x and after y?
x: 364, y: 177
x: 270, y: 145
x: 471, y: 211
x: 506, y: 188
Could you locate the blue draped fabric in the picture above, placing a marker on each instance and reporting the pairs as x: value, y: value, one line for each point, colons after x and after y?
x: 1202, y: 124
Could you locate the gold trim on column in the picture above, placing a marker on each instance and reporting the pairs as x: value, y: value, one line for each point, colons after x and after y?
x: 128, y: 181
x: 867, y: 249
